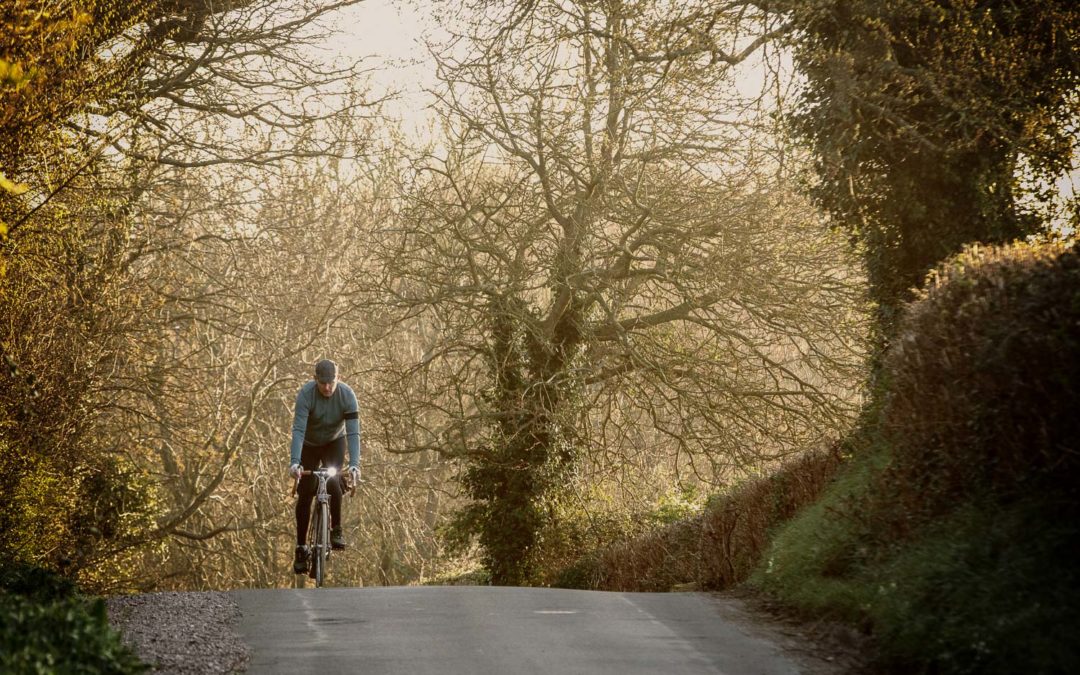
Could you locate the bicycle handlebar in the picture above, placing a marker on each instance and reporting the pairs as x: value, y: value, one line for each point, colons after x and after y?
x: 329, y: 472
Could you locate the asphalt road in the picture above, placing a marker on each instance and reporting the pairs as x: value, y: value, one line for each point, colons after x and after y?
x: 479, y: 630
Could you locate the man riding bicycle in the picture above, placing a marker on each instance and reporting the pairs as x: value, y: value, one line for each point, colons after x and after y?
x: 327, y: 418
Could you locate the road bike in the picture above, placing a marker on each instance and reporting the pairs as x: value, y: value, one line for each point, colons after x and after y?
x: 319, y: 528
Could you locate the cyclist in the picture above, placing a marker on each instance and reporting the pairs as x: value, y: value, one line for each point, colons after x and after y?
x: 327, y: 418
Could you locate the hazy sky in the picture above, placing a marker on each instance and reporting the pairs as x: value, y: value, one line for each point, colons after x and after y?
x: 388, y: 35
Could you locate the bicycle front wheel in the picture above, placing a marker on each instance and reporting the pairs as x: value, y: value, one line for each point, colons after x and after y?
x: 314, y: 528
x: 321, y: 546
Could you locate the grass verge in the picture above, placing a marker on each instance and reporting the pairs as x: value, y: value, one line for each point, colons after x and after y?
x: 989, y: 588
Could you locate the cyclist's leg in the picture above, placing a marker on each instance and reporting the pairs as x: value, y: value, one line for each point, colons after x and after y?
x: 303, y: 514
x: 334, y: 456
x: 309, y: 459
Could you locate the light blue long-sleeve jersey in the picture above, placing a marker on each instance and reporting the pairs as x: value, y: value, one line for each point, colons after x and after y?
x: 320, y: 419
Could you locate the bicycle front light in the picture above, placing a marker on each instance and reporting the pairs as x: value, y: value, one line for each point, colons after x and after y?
x: 331, y: 472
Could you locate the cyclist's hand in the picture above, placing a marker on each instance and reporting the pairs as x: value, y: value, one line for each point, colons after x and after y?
x: 354, y: 475
x: 295, y: 470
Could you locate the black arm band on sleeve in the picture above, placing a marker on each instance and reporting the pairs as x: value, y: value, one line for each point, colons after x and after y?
x: 352, y: 415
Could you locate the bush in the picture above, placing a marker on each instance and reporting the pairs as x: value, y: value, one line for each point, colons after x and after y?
x: 951, y: 536
x: 984, y: 382
x: 987, y: 589
x: 35, y: 583
x: 813, y: 561
x: 47, y: 626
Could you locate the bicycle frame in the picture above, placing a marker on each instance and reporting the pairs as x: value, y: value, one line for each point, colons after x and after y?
x: 319, y: 527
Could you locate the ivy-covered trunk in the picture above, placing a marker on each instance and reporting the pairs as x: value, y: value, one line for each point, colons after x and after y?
x: 514, y: 479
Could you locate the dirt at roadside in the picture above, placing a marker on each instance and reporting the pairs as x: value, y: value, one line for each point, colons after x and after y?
x: 184, y: 633
x: 819, y: 647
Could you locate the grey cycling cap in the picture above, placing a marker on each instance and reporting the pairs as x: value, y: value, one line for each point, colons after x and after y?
x: 325, y: 371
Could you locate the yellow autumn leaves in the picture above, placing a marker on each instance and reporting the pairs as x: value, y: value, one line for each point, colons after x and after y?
x: 8, y: 186
x: 11, y: 187
x: 12, y: 75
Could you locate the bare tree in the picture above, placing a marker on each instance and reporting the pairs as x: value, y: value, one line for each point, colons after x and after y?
x: 246, y: 297
x: 244, y: 279
x: 602, y: 246
x: 142, y: 176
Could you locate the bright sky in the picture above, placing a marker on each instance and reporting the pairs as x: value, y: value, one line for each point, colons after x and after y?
x: 388, y: 35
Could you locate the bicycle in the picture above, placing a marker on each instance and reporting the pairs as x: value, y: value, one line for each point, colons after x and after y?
x: 319, y: 528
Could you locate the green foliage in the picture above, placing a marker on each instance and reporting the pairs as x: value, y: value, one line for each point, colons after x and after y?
x: 951, y: 534
x: 122, y: 497
x: 675, y: 505
x: 32, y: 515
x: 923, y: 114
x: 515, y: 478
x: 582, y: 525
x: 64, y: 510
x: 986, y: 589
x: 35, y: 583
x: 47, y: 626
x: 811, y: 558
x: 12, y: 76
x: 583, y: 573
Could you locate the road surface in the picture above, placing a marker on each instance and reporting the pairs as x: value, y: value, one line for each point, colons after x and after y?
x: 478, y: 630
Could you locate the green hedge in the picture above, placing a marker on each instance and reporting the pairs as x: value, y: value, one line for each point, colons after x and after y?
x: 48, y: 626
x: 984, y: 381
x: 951, y: 536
